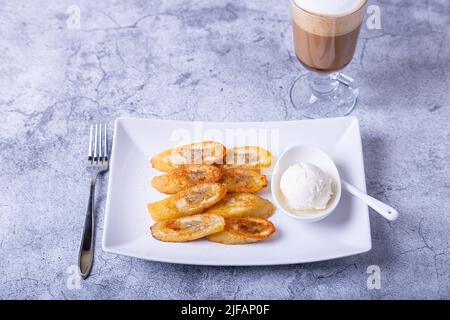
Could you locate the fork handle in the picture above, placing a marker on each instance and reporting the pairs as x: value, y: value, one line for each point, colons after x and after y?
x: 86, y: 255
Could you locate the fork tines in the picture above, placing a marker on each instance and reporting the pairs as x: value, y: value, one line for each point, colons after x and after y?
x: 98, y: 144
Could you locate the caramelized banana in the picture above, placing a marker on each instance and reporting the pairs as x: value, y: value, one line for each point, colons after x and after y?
x: 243, y: 204
x: 248, y: 157
x: 187, y: 228
x: 187, y: 202
x: 243, y: 180
x: 206, y: 152
x: 186, y: 176
x: 243, y: 230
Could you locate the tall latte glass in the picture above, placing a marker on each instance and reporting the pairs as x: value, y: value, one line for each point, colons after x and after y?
x: 325, y: 37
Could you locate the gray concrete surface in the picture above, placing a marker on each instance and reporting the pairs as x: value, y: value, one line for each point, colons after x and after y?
x: 224, y: 61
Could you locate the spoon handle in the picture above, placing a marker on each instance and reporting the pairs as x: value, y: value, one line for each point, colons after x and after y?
x: 382, y: 208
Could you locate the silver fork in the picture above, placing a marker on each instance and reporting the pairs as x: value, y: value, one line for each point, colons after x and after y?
x: 97, y: 162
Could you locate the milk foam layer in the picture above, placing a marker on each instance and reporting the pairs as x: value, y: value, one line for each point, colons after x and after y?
x: 330, y: 7
x: 328, y: 17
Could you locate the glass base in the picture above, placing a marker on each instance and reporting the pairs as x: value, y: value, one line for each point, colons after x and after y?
x: 324, y: 95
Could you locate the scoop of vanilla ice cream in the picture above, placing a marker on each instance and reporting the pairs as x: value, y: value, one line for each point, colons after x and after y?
x: 306, y: 187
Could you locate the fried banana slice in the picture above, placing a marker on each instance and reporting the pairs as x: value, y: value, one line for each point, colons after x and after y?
x: 251, y: 157
x: 187, y: 202
x: 243, y: 180
x: 243, y: 204
x: 243, y: 230
x: 206, y: 152
x: 186, y: 176
x: 187, y: 228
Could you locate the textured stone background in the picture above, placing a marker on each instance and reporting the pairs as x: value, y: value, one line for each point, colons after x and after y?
x: 225, y: 61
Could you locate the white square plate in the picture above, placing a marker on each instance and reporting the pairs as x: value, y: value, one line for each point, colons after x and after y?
x: 345, y: 232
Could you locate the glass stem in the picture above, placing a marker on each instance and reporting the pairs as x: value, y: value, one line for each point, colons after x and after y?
x: 323, y: 83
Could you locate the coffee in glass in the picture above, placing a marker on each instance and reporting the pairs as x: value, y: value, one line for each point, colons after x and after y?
x: 325, y: 37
